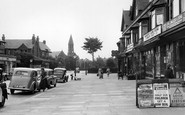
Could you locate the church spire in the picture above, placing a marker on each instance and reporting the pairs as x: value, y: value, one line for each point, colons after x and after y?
x: 70, y: 46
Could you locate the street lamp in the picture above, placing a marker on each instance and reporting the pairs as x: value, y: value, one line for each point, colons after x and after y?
x: 31, y: 60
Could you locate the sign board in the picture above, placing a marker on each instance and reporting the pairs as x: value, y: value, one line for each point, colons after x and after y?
x: 145, y: 95
x: 175, y: 21
x: 161, y: 95
x: 156, y: 31
x: 130, y: 47
x: 177, y: 94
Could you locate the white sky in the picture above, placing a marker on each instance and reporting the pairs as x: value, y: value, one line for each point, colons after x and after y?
x: 55, y: 20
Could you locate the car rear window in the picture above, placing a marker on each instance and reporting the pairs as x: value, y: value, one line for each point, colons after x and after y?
x: 22, y: 73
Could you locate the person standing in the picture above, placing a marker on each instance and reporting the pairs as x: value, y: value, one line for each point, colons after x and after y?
x: 43, y: 82
x: 100, y: 73
x: 108, y: 72
x: 169, y: 72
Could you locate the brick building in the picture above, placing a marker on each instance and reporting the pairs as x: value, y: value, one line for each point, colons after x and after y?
x: 152, y: 37
x: 39, y: 50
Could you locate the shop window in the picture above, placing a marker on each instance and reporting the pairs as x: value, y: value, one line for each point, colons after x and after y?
x: 149, y: 63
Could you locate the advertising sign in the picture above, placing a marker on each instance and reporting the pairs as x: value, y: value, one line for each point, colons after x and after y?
x: 156, y: 31
x: 177, y: 94
x: 161, y: 95
x: 145, y: 95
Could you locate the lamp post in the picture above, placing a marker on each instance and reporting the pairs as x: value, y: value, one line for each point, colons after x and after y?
x: 31, y: 60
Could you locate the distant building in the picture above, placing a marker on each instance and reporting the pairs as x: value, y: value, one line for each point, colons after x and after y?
x: 70, y: 47
x: 6, y: 61
x: 39, y: 50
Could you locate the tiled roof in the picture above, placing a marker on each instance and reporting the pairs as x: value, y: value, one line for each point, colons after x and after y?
x: 44, y: 47
x: 125, y: 19
x: 141, y: 4
x: 16, y: 43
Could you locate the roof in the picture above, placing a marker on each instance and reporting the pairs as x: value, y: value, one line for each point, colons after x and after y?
x: 125, y: 19
x: 141, y: 4
x: 60, y: 68
x: 16, y: 43
x: 44, y: 47
x: 24, y: 69
x: 70, y: 40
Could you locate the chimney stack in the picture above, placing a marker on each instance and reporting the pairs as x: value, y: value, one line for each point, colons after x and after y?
x: 3, y: 37
x: 44, y: 41
x: 33, y: 39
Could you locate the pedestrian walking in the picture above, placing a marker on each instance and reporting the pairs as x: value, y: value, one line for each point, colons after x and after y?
x: 108, y: 72
x: 169, y: 72
x: 120, y: 75
x: 43, y: 82
x: 100, y: 73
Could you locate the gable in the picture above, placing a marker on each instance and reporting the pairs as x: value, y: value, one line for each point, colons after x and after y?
x: 23, y: 47
x: 16, y: 43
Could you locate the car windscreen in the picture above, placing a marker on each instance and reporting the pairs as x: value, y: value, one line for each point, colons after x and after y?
x: 21, y: 73
x: 58, y: 71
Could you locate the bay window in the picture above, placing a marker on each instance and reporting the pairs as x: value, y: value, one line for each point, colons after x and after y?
x: 157, y: 17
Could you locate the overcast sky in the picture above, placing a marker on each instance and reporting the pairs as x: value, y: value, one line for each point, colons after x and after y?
x: 55, y: 20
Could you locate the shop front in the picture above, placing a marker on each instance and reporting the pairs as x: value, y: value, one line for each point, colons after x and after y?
x: 173, y: 43
x: 7, y: 63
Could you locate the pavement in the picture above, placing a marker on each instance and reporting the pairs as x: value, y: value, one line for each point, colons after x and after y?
x: 88, y: 96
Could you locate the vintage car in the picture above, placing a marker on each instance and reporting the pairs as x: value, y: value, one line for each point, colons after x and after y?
x: 24, y: 79
x: 3, y: 93
x: 61, y: 74
x: 51, y: 79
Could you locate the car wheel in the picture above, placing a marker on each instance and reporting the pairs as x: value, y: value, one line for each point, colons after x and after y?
x: 12, y: 91
x: 3, y: 102
x: 55, y: 85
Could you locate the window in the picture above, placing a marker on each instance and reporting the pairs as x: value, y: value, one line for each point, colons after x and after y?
x: 153, y: 19
x: 175, y: 7
x: 182, y: 6
x: 157, y: 17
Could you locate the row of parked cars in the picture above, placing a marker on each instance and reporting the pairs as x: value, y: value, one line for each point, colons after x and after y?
x: 29, y: 79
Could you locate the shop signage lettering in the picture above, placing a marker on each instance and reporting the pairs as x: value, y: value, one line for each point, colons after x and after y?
x: 130, y: 47
x: 156, y: 31
x: 175, y: 21
x: 161, y: 95
x: 145, y: 95
x: 7, y: 59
